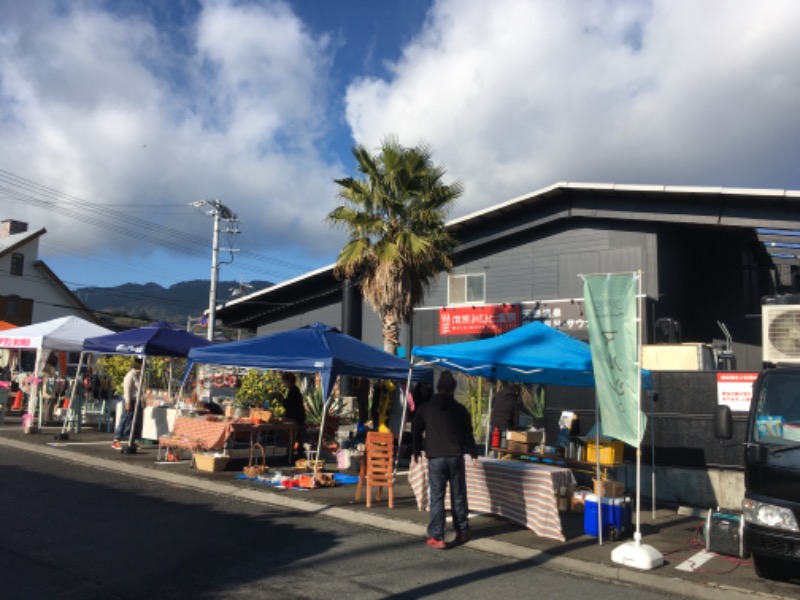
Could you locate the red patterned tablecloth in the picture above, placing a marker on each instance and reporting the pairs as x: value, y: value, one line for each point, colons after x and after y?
x: 201, y: 434
x: 198, y: 434
x: 521, y: 492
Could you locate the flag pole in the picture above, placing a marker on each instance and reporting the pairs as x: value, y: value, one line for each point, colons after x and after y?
x: 635, y: 554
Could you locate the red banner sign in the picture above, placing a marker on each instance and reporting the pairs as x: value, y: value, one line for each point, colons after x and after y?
x: 469, y: 320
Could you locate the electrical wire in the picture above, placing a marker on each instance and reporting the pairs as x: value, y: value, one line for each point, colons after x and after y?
x: 19, y: 189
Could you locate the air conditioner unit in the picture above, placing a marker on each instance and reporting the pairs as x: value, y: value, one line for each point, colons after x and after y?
x: 780, y: 329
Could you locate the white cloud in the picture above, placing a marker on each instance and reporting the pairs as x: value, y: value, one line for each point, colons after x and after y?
x: 145, y: 108
x: 110, y: 108
x: 517, y: 95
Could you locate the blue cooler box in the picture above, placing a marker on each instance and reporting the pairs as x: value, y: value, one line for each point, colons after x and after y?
x: 616, y: 517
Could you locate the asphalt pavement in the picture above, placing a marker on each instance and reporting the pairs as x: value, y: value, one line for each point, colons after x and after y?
x: 675, y: 532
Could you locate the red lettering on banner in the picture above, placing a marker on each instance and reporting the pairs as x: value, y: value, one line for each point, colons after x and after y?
x: 469, y: 320
x: 15, y: 342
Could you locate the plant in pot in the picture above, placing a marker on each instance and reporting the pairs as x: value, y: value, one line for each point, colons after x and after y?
x: 316, y: 407
x: 532, y: 409
x: 260, y: 389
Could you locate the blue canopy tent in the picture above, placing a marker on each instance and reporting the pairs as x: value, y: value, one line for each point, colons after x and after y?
x: 158, y: 339
x: 313, y: 348
x: 533, y: 353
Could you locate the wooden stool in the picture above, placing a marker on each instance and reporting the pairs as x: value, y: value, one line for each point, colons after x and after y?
x: 377, y: 466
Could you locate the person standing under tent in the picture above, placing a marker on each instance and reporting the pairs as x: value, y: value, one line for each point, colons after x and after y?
x: 130, y: 390
x: 49, y: 388
x: 505, y: 407
x: 447, y: 429
x: 295, y: 409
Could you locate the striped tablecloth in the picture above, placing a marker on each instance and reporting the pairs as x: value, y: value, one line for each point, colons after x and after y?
x: 521, y: 492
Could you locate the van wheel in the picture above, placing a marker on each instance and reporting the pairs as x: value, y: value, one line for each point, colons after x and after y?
x: 768, y: 567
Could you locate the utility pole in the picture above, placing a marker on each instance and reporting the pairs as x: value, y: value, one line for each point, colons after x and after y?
x: 220, y: 212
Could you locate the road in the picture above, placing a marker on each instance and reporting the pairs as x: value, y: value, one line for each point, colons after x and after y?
x: 72, y: 531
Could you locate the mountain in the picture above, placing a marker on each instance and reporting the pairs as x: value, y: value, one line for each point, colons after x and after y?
x: 151, y: 302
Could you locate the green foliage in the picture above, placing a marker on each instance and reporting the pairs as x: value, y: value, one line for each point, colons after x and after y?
x: 157, y: 373
x: 533, y: 401
x: 258, y: 387
x: 395, y: 218
x: 475, y: 396
x: 315, y: 405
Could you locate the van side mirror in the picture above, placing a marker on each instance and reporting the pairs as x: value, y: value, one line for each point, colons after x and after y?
x: 723, y: 422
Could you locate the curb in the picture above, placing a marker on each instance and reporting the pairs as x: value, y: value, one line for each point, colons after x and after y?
x: 629, y: 577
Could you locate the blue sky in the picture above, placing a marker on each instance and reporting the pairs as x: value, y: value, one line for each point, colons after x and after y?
x: 115, y: 115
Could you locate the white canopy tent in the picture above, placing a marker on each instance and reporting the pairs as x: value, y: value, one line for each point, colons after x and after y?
x: 65, y: 334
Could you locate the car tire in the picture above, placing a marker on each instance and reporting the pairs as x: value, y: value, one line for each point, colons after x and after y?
x: 768, y: 567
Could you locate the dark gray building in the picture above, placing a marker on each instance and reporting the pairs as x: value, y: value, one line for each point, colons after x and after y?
x: 708, y: 257
x: 701, y: 252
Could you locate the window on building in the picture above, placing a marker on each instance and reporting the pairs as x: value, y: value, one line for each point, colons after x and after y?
x: 17, y: 262
x: 466, y: 289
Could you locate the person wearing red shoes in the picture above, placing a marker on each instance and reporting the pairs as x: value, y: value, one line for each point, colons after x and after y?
x: 444, y: 427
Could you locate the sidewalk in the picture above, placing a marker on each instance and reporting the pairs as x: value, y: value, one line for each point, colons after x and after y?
x: 676, y: 534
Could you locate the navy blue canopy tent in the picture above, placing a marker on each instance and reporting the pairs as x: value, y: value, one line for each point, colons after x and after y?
x: 158, y: 339
x: 533, y: 353
x: 313, y: 348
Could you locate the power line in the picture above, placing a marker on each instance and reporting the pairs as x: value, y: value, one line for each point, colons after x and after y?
x: 23, y: 190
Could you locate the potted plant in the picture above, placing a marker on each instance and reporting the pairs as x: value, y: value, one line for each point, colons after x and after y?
x: 316, y: 407
x: 260, y: 389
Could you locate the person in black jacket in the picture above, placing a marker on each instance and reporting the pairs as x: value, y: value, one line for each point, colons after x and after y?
x: 505, y: 407
x: 447, y: 430
x: 295, y: 409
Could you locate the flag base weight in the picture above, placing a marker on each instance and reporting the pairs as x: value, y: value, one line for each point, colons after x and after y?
x: 637, y: 555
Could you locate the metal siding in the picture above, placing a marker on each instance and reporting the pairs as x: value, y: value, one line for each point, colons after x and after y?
x: 372, y: 328
x: 330, y: 315
x: 544, y: 278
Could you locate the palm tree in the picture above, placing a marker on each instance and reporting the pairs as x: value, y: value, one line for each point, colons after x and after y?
x: 398, y: 243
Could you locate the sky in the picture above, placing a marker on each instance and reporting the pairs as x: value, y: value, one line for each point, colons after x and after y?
x: 117, y: 115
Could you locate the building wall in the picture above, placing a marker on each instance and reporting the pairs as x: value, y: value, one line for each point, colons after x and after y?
x: 49, y: 301
x: 330, y: 315
x: 546, y: 267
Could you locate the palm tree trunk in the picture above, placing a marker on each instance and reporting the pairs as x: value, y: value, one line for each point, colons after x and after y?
x: 391, y: 333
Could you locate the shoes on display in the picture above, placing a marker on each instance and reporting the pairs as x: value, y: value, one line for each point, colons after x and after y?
x: 116, y: 445
x: 438, y: 544
x: 462, y: 537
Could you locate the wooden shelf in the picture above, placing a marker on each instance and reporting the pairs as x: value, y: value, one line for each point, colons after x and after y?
x: 558, y: 461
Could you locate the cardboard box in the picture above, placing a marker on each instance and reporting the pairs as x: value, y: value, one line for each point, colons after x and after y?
x: 610, y: 452
x: 526, y: 437
x: 520, y: 447
x: 608, y: 488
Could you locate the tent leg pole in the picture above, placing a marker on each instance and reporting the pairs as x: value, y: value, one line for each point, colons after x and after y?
x: 71, y: 411
x: 599, y: 495
x: 319, y: 441
x: 488, y: 435
x: 137, y: 400
x: 403, y: 419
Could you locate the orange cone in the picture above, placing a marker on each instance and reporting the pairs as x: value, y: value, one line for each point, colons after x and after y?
x: 17, y: 401
x: 65, y: 405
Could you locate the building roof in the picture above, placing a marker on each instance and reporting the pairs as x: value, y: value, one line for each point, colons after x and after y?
x: 770, y: 213
x: 48, y: 273
x: 12, y: 242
